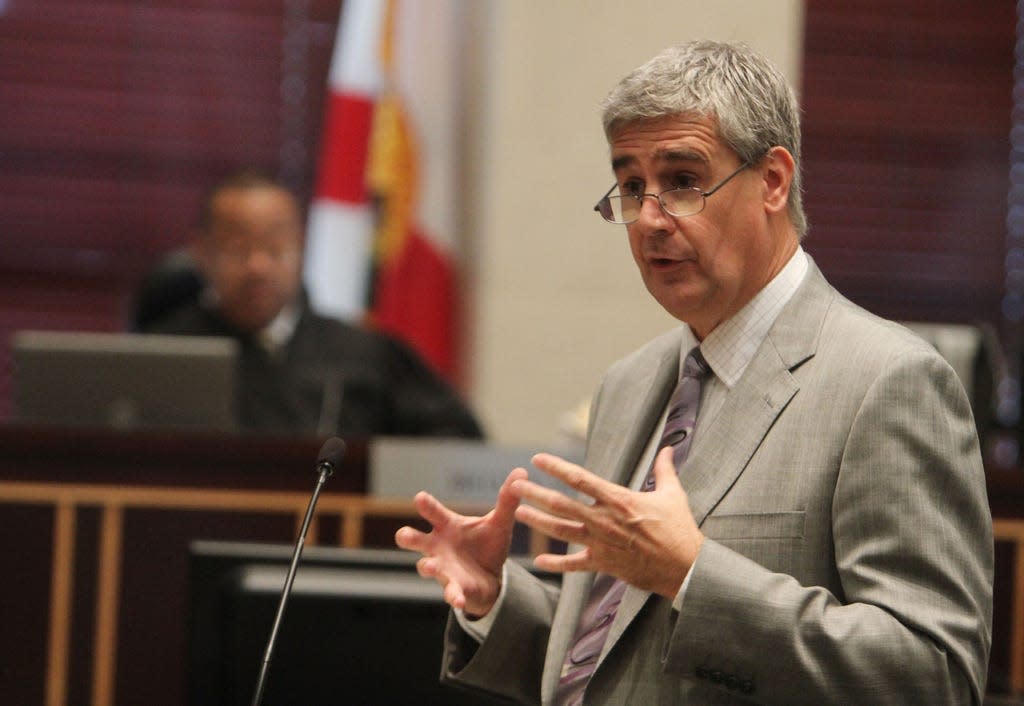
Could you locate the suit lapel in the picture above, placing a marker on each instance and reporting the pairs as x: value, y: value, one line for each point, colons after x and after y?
x: 722, y: 450
x: 723, y: 447
x: 629, y: 413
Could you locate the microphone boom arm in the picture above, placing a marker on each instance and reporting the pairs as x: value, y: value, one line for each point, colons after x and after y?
x: 330, y: 454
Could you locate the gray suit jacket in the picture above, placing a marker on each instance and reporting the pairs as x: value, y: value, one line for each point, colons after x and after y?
x: 849, y: 551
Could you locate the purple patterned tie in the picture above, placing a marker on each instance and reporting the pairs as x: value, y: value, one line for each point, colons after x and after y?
x: 607, y: 591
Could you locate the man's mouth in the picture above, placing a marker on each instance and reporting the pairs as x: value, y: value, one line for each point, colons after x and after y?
x: 660, y: 262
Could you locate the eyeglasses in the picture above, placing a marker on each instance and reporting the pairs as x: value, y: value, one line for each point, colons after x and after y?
x: 684, y: 201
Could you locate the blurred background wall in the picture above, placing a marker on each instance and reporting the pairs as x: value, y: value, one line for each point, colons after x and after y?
x: 555, y: 294
x: 115, y: 115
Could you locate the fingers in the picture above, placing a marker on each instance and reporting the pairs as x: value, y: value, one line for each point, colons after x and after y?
x: 427, y: 567
x: 665, y: 470
x: 578, y: 561
x: 440, y: 517
x: 550, y: 500
x: 412, y: 539
x: 508, y: 499
x: 464, y: 555
x: 558, y: 528
x: 430, y: 568
x: 433, y: 510
x: 576, y: 477
x: 607, y: 496
x: 454, y: 596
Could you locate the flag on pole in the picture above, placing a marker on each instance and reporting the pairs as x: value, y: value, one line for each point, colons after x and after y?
x: 382, y: 222
x: 340, y: 225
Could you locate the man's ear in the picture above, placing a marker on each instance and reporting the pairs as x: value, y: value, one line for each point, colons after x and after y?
x: 777, y: 168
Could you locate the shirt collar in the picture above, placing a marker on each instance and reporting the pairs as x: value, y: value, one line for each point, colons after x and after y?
x: 731, y: 346
x: 275, y: 335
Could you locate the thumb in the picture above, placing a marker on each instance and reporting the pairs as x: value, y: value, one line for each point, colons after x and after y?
x: 505, y: 507
x: 665, y: 473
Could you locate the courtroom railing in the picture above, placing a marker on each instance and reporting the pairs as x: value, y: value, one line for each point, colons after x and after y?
x: 351, y: 511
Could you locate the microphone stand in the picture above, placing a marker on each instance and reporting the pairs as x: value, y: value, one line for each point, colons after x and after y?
x: 330, y: 453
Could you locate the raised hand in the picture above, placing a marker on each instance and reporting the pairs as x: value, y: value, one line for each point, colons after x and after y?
x: 465, y: 554
x: 649, y: 540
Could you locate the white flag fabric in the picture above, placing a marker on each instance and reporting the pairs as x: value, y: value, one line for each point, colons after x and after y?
x: 382, y: 225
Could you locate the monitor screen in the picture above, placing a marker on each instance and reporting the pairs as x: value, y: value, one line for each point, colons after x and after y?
x: 125, y: 380
x: 360, y: 627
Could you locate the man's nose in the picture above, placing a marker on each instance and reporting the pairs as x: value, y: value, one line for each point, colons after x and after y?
x: 259, y: 259
x: 652, y: 215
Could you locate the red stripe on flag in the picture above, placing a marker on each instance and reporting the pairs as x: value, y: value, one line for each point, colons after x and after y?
x: 343, y: 149
x: 415, y: 300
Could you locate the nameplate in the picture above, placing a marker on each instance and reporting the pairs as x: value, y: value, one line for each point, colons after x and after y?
x: 453, y: 470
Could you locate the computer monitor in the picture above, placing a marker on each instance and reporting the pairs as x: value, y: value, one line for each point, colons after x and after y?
x: 125, y: 380
x: 360, y: 627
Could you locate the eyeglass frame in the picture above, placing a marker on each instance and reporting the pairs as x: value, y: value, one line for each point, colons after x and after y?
x: 640, y: 198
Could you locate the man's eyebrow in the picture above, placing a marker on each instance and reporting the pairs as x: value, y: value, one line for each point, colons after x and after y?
x: 663, y: 155
x: 623, y: 161
x: 680, y: 155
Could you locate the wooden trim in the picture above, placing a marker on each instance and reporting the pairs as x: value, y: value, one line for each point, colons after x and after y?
x: 107, y: 602
x: 61, y: 592
x: 1017, y: 623
x: 167, y: 498
x: 1013, y: 531
x: 352, y: 529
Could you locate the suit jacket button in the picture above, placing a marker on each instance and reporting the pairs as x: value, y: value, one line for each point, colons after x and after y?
x: 747, y: 686
x: 732, y: 682
x: 716, y: 676
x: 702, y: 672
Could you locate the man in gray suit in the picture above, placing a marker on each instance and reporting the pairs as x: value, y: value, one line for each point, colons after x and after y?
x: 827, y: 539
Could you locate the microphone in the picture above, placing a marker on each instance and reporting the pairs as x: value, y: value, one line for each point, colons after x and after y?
x: 330, y: 456
x: 327, y: 461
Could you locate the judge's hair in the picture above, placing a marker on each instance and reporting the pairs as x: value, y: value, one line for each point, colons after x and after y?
x: 241, y: 179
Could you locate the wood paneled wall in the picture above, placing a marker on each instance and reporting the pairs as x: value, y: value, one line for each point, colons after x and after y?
x: 906, y: 151
x: 114, y: 116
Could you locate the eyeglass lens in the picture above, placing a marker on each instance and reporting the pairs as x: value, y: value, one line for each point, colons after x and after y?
x: 678, y: 202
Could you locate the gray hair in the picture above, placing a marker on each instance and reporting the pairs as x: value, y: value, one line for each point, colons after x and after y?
x: 755, y: 108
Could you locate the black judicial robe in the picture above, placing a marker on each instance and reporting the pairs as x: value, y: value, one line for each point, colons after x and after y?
x: 332, y: 377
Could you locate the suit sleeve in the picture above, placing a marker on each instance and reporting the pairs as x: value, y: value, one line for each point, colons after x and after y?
x: 510, y: 662
x: 911, y: 621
